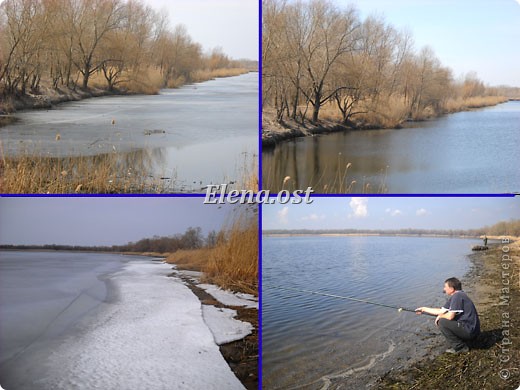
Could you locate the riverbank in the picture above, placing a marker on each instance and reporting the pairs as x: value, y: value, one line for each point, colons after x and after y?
x: 274, y: 132
x: 241, y: 355
x: 49, y: 97
x: 493, y: 283
x: 233, y: 266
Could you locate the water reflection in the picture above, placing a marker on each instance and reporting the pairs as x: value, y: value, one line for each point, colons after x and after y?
x: 323, y: 163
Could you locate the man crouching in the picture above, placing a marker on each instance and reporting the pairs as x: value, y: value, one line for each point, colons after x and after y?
x: 457, y: 319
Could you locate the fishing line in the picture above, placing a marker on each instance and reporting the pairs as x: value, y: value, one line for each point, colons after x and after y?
x: 399, y: 308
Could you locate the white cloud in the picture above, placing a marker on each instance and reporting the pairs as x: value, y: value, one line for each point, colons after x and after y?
x: 421, y: 212
x: 283, y: 215
x: 313, y: 217
x: 393, y: 213
x: 359, y: 207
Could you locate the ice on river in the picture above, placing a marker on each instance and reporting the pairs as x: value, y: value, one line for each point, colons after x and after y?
x: 229, y: 298
x: 153, y: 336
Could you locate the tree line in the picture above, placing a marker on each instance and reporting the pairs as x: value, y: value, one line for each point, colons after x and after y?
x: 317, y: 56
x: 65, y: 43
x: 192, y: 238
x: 503, y: 228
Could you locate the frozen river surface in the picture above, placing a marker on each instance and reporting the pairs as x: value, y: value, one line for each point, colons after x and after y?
x: 98, y: 321
x: 196, y: 134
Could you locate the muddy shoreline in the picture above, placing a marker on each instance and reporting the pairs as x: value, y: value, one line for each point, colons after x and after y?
x: 484, y: 366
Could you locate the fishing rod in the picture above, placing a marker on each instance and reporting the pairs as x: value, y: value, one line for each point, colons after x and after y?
x: 399, y: 309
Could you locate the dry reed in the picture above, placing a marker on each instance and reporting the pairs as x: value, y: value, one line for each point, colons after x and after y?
x: 460, y: 104
x: 232, y: 263
x: 106, y: 173
x: 205, y: 75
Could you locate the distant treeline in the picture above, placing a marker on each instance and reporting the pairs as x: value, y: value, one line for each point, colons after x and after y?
x: 510, y: 228
x: 124, y: 43
x: 323, y: 60
x: 192, y: 238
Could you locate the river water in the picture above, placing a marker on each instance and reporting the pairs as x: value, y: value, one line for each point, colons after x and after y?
x: 195, y: 135
x: 466, y: 152
x: 313, y: 342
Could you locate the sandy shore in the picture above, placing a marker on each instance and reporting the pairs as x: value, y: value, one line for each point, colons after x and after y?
x: 494, y: 285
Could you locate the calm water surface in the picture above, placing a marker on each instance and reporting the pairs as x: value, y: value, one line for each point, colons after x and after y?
x: 197, y: 133
x: 311, y: 341
x: 466, y: 152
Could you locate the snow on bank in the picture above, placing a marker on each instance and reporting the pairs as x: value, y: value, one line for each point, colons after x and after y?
x: 229, y: 298
x: 222, y: 324
x: 153, y: 337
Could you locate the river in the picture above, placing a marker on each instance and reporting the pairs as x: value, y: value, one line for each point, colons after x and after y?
x: 194, y: 135
x: 466, y: 152
x: 314, y: 342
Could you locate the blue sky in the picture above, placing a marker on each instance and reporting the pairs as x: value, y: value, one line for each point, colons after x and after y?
x: 391, y: 213
x: 466, y: 35
x: 231, y: 24
x: 104, y: 220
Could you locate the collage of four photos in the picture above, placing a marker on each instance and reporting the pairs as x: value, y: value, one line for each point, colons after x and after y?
x: 246, y: 194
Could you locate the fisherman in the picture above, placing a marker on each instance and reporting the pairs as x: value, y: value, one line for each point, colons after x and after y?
x: 458, y: 319
x: 485, y: 240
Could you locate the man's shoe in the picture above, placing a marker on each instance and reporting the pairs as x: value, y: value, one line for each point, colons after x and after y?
x: 456, y: 351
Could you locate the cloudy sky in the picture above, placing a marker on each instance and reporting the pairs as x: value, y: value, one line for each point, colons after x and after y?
x: 466, y: 35
x: 391, y: 213
x: 105, y: 220
x: 230, y: 24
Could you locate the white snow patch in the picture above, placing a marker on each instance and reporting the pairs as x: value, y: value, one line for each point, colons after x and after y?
x: 223, y: 325
x: 229, y: 298
x: 153, y: 337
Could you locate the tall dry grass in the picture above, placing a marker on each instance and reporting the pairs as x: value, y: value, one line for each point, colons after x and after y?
x: 246, y: 172
x: 461, y: 104
x: 130, y: 172
x: 150, y: 80
x: 105, y: 173
x: 233, y: 263
x: 387, y: 113
x: 393, y: 111
x: 146, y: 81
x: 204, y: 75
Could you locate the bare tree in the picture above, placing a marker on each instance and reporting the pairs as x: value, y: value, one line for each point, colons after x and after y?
x: 97, y: 18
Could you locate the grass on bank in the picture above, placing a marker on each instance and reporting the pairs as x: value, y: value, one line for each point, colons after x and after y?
x: 105, y: 173
x: 394, y: 111
x: 150, y: 80
x: 232, y: 263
